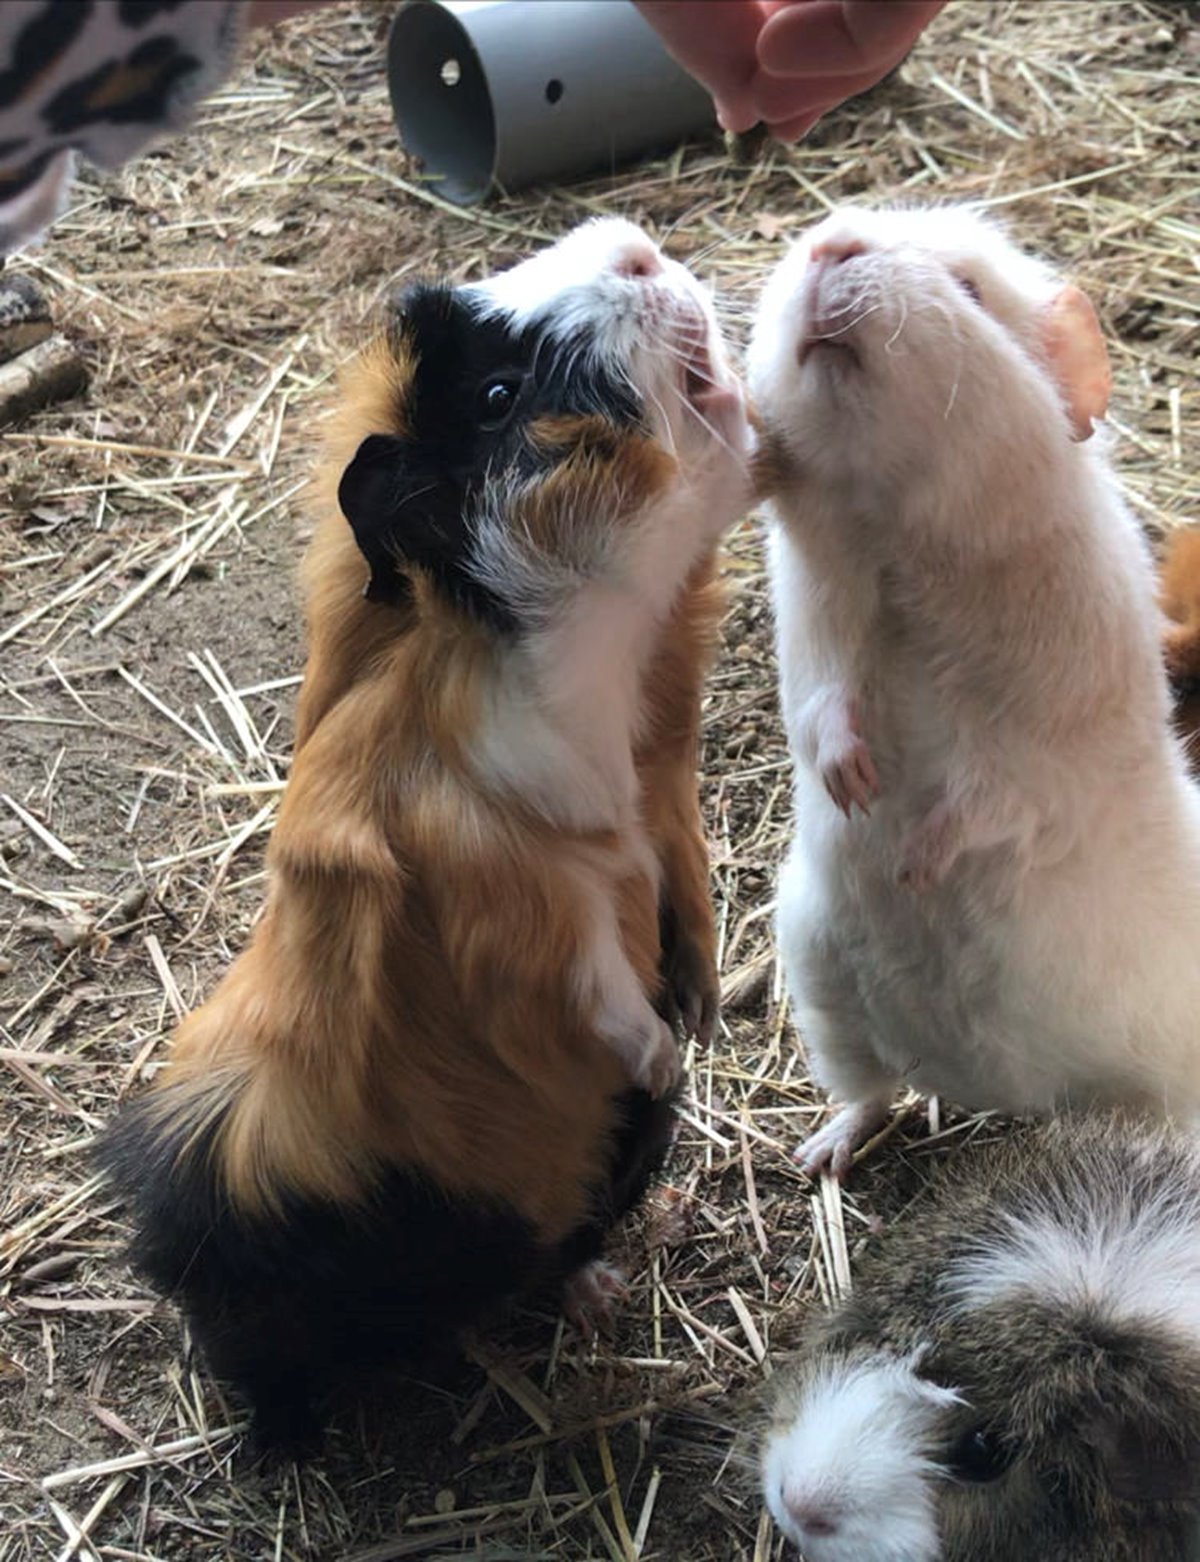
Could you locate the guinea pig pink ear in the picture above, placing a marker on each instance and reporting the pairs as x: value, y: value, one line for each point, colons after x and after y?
x: 1141, y: 1467
x: 1074, y: 347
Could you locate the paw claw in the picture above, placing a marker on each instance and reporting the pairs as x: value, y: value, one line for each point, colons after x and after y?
x: 832, y: 1147
x: 692, y: 995
x: 591, y: 1294
x: 848, y: 770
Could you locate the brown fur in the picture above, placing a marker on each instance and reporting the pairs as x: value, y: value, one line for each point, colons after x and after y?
x: 1179, y: 597
x: 407, y: 997
x: 1104, y: 1412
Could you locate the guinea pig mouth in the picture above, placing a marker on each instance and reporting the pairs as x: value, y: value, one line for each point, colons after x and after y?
x: 827, y: 342
x: 700, y: 382
x: 698, y: 373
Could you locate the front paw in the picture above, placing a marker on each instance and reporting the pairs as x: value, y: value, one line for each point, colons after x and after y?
x: 691, y: 992
x: 646, y: 1046
x: 844, y: 759
x: 659, y: 1067
x: 930, y: 849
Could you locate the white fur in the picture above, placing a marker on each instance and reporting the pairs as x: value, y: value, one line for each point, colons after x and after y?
x: 1016, y: 923
x: 1135, y: 1265
x: 859, y: 1454
x: 561, y: 712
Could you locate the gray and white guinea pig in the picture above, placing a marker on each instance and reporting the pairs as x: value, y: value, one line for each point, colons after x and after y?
x: 1017, y: 1375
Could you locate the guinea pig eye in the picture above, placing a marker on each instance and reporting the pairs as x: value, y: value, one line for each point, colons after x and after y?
x: 497, y: 398
x: 979, y: 1456
x: 971, y: 289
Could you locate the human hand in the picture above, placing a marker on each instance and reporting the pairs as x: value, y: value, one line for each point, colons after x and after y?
x: 814, y: 54
x: 714, y: 41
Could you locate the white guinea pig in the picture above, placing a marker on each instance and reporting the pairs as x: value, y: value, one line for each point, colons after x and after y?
x: 1017, y: 1376
x: 969, y: 651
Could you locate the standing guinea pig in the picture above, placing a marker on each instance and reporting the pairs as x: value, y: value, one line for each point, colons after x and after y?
x: 440, y: 1071
x: 1179, y: 596
x: 994, y: 888
x: 1017, y: 1376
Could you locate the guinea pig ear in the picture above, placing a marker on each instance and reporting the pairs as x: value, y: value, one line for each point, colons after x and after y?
x: 1139, y: 1465
x: 372, y: 490
x: 1074, y: 348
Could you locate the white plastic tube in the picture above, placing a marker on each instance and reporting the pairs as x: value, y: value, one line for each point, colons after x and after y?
x: 514, y: 92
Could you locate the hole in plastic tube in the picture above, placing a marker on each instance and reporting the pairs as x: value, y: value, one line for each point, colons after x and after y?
x: 554, y: 90
x: 451, y: 73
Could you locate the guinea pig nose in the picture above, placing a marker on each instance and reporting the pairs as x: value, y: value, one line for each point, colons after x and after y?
x: 811, y: 1517
x: 637, y: 261
x: 835, y: 250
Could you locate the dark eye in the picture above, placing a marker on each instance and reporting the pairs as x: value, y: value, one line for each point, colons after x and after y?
x: 497, y: 398
x: 971, y: 289
x: 979, y: 1456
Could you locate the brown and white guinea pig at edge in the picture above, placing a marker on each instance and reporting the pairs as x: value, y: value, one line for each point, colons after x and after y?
x: 1017, y: 1373
x: 1179, y: 597
x: 440, y: 1070
x: 993, y: 892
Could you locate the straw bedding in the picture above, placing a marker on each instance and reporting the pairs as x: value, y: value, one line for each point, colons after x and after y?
x: 149, y: 651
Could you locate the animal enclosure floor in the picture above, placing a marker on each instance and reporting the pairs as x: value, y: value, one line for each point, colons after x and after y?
x: 149, y: 652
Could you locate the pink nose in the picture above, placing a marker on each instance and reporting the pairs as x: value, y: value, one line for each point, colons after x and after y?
x: 637, y: 260
x: 835, y: 249
x: 810, y: 1516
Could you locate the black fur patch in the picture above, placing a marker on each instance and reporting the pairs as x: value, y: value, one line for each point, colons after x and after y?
x: 416, y: 499
x: 295, y: 1310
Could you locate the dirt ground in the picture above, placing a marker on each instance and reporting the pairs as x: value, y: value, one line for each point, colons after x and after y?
x: 149, y: 653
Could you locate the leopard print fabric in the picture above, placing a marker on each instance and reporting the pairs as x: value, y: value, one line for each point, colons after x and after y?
x: 101, y: 78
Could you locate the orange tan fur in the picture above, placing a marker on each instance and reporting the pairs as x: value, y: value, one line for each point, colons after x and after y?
x: 407, y: 995
x: 1179, y: 597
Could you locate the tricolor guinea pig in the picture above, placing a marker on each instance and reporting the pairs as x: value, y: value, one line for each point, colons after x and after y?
x: 441, y: 1068
x: 1179, y: 595
x: 1017, y: 1374
x: 994, y: 888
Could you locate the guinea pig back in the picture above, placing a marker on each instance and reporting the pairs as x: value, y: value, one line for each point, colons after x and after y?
x: 440, y: 1071
x: 1017, y: 1374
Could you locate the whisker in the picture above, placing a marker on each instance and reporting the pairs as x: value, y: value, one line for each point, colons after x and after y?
x: 895, y: 336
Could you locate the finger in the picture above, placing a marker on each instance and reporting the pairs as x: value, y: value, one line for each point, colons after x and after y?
x: 778, y: 100
x: 717, y: 47
x: 789, y: 130
x: 841, y: 37
x: 737, y: 114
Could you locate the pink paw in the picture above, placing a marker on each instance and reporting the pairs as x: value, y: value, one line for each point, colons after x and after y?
x: 930, y: 849
x: 591, y: 1293
x: 832, y: 1148
x: 844, y: 760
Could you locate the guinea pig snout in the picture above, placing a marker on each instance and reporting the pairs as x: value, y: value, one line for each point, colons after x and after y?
x: 835, y: 249
x: 832, y: 302
x: 638, y: 260
x: 812, y: 1516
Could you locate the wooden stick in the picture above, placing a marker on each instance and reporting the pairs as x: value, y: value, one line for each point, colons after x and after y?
x: 52, y: 371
